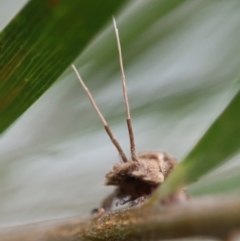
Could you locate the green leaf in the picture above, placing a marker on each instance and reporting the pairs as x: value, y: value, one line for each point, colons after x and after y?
x: 37, y: 48
x: 223, y: 182
x: 218, y: 144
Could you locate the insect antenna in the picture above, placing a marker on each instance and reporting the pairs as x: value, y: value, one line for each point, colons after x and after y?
x: 106, y: 126
x: 129, y: 120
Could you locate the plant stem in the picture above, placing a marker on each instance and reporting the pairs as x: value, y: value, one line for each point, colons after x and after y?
x: 209, y: 217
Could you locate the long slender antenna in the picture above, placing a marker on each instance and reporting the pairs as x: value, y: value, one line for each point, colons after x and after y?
x: 106, y: 126
x: 129, y: 121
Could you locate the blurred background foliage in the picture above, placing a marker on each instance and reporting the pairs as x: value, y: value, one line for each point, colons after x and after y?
x: 181, y: 62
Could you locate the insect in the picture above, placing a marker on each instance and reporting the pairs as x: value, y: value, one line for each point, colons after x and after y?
x: 138, y: 177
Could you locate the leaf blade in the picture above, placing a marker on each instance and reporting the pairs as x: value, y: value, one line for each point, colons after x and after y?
x: 210, y: 147
x: 37, y: 48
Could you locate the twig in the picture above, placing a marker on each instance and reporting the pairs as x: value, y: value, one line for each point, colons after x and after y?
x: 209, y: 217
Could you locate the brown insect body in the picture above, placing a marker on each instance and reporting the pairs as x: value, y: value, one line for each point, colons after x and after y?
x: 137, y: 180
